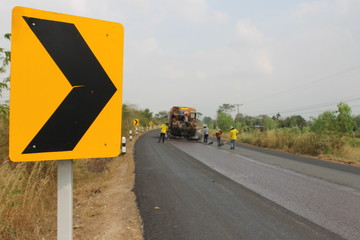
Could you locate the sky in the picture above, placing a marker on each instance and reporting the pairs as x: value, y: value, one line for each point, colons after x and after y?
x: 299, y: 57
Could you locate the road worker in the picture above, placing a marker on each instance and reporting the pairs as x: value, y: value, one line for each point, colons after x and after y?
x: 163, y: 130
x: 218, y: 134
x: 233, y: 136
x: 206, y: 133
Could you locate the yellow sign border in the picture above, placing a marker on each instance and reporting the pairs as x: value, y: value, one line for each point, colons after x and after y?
x: 38, y: 86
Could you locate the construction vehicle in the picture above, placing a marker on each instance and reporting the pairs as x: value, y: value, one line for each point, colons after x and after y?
x: 182, y: 122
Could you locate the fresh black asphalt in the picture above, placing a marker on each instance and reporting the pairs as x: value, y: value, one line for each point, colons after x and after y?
x: 181, y: 198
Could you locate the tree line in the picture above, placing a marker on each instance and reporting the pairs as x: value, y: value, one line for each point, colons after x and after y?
x: 339, y: 122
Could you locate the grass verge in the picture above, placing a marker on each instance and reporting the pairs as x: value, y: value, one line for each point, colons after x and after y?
x: 104, y: 204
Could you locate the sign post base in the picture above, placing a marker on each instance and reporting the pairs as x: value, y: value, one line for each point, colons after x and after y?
x: 65, y: 200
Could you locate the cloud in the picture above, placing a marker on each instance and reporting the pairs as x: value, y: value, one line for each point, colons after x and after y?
x: 195, y: 11
x: 148, y: 45
x: 326, y: 9
x: 310, y: 8
x: 80, y: 6
x: 220, y: 17
x: 251, y: 46
x: 264, y: 62
x: 247, y: 32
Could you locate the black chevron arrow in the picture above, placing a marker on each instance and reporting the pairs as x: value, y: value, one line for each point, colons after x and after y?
x: 91, y: 86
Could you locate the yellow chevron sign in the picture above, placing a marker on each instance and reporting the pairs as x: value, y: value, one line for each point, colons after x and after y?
x: 136, y: 122
x: 66, y: 86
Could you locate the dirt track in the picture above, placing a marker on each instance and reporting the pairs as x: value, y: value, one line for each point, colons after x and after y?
x: 106, y: 209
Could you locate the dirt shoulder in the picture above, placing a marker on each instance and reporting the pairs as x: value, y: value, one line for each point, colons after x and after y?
x: 106, y: 208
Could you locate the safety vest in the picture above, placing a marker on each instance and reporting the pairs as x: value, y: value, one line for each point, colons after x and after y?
x: 233, y: 134
x: 164, y: 128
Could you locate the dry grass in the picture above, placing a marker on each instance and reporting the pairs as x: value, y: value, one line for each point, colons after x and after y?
x: 28, y: 198
x: 4, y: 138
x: 104, y: 204
x: 352, y: 153
x: 325, y: 147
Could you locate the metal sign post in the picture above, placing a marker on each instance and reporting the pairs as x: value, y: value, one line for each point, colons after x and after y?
x: 65, y: 200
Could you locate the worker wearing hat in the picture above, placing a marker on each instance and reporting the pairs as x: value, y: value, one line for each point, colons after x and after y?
x: 206, y: 133
x: 218, y: 134
x: 163, y: 129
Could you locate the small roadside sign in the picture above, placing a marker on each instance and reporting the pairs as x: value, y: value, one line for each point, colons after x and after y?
x: 136, y: 122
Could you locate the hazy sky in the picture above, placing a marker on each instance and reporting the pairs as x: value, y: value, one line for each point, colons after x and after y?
x: 292, y: 57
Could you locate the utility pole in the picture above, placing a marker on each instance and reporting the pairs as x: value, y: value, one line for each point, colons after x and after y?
x: 238, y: 105
x: 237, y: 115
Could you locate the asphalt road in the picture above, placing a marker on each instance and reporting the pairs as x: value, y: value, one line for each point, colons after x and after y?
x: 187, y: 190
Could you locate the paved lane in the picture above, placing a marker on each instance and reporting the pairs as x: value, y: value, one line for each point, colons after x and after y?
x: 331, y: 199
x: 182, y: 198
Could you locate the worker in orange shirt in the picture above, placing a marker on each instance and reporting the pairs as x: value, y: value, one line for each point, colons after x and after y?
x: 218, y: 134
x: 233, y: 136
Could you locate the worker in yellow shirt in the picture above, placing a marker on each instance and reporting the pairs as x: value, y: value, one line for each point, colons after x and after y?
x: 233, y: 136
x: 163, y: 130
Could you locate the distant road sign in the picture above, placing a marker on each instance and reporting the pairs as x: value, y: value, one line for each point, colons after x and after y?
x: 66, y: 86
x: 136, y: 122
x: 150, y: 123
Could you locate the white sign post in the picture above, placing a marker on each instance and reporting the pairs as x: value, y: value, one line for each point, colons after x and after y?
x: 65, y: 200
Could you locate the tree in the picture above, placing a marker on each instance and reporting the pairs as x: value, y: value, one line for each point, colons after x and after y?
x: 344, y: 122
x: 240, y: 121
x: 224, y: 121
x: 276, y: 117
x: 267, y: 122
x: 294, y: 121
x: 338, y: 122
x: 207, y: 120
x: 5, y: 60
x: 226, y: 108
x: 161, y: 117
x: 245, y: 122
x: 357, y: 122
x: 128, y: 114
x: 324, y: 123
x: 4, y: 84
x: 145, y: 116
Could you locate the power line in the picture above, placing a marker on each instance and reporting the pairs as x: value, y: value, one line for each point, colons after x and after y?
x: 303, y: 86
x: 306, y: 109
x: 320, y: 105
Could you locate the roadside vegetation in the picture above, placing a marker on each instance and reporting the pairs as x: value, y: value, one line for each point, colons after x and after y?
x: 333, y: 135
